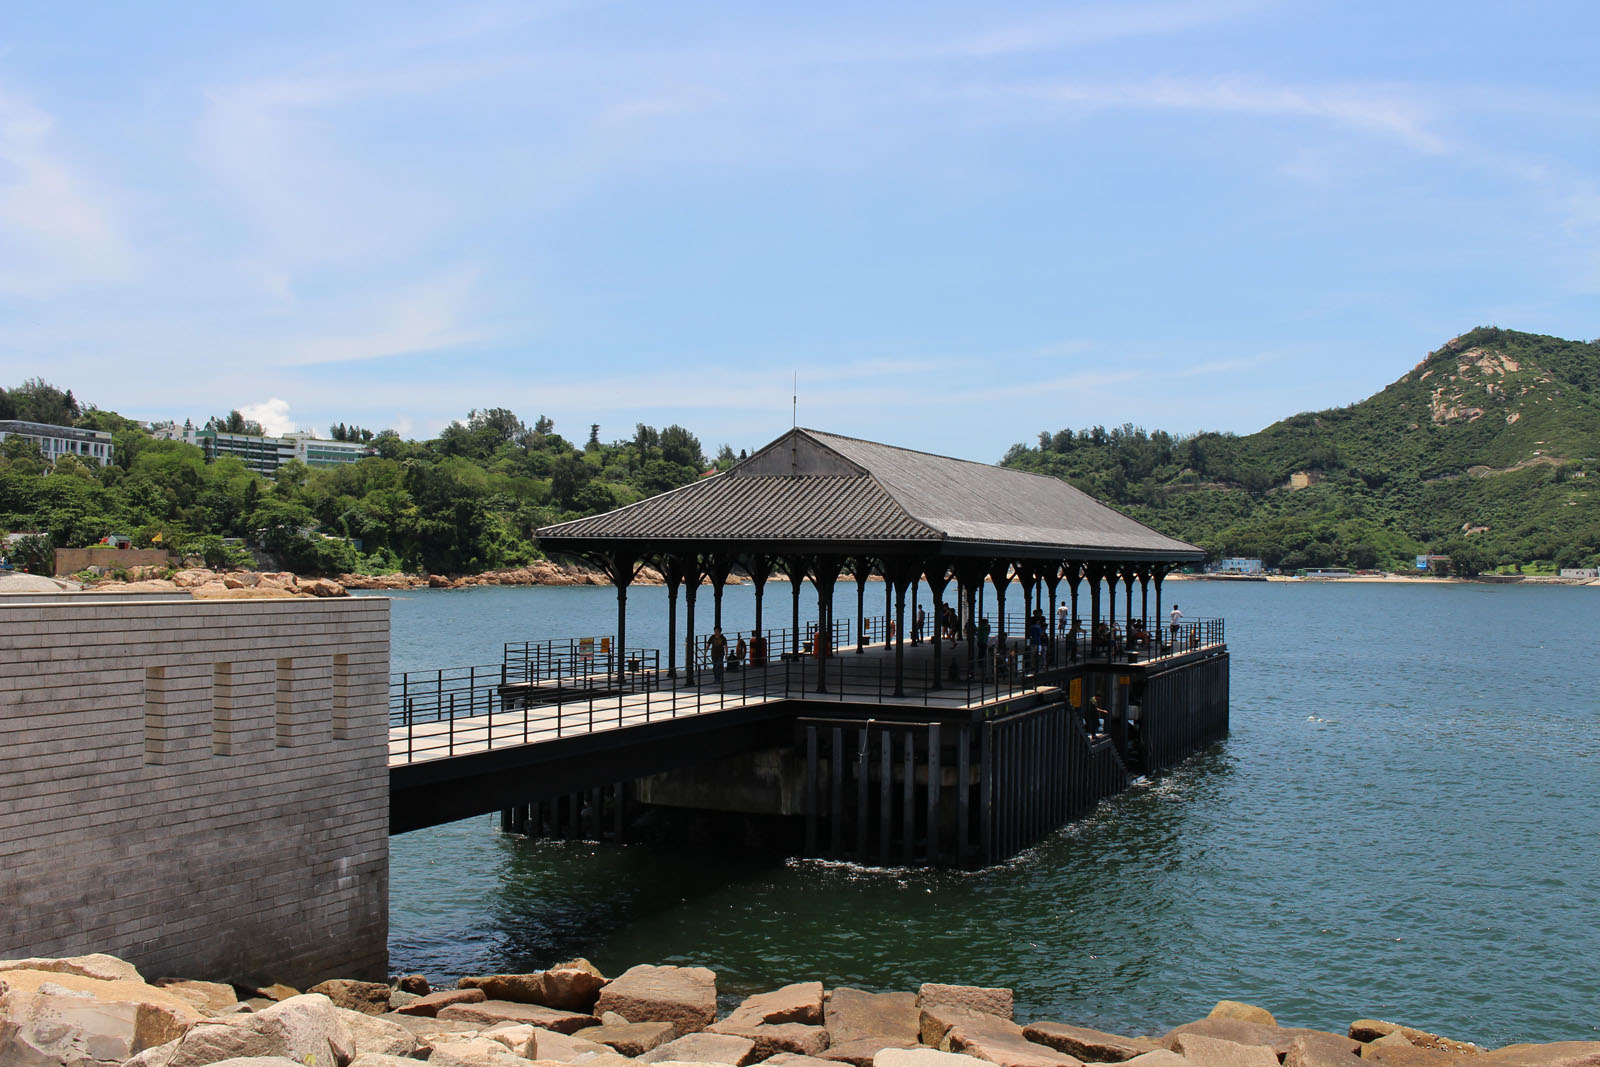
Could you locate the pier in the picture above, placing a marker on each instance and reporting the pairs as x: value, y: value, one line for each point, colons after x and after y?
x: 963, y: 774
x: 956, y: 742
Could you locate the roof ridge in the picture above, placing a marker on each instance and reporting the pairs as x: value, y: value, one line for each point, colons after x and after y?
x: 934, y: 455
x: 703, y: 480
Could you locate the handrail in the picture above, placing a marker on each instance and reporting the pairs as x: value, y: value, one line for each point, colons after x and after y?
x: 545, y: 691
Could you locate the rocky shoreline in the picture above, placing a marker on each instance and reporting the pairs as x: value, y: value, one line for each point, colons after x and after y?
x: 206, y: 583
x: 99, y: 1011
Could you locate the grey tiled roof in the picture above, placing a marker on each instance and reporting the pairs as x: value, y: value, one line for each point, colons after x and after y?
x: 810, y: 486
x: 815, y: 507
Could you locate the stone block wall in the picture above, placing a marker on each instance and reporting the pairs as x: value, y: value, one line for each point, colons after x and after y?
x: 73, y: 560
x: 198, y: 786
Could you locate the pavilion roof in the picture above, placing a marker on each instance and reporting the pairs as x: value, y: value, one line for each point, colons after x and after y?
x: 811, y: 491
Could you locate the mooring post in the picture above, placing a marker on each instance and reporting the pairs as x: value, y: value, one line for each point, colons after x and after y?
x: 908, y: 810
x: 963, y: 793
x: 885, y: 792
x: 811, y: 790
x: 836, y: 792
x: 862, y: 765
x: 935, y: 772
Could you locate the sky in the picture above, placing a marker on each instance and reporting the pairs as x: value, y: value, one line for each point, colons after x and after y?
x: 943, y: 226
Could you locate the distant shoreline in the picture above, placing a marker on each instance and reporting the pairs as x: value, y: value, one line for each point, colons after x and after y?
x: 209, y: 583
x: 1397, y: 579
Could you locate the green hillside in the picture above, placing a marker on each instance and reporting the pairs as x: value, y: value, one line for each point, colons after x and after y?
x: 1486, y: 451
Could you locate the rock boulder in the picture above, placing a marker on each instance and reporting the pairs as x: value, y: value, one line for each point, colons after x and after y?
x: 1373, y: 1029
x: 1001, y: 1041
x: 306, y: 1028
x: 683, y: 996
x: 1203, y: 1051
x: 1235, y: 1009
x: 432, y: 1003
x: 415, y: 984
x: 370, y: 998
x: 372, y: 1034
x: 988, y: 1001
x: 1555, y: 1054
x: 568, y: 1048
x: 629, y: 1039
x: 853, y: 1014
x: 923, y: 1057
x: 705, y: 1047
x: 95, y: 965
x: 211, y: 997
x: 1091, y: 1046
x: 65, y: 1017
x: 487, y: 1012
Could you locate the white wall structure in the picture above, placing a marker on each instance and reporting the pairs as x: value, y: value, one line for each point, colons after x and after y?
x: 198, y: 786
x: 90, y: 446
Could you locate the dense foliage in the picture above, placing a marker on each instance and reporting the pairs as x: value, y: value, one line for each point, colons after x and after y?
x: 466, y: 501
x: 1486, y: 452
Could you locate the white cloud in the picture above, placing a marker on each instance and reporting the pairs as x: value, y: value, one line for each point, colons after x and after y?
x: 424, y: 317
x: 1082, y: 27
x: 1387, y: 110
x: 55, y: 230
x: 272, y: 414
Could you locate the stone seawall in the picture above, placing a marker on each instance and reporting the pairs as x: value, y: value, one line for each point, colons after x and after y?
x: 199, y: 786
x: 98, y: 1010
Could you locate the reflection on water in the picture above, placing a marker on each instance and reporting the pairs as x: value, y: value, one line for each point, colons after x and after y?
x: 1400, y: 825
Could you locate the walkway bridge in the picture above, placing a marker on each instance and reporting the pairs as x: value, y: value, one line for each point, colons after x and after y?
x: 568, y: 737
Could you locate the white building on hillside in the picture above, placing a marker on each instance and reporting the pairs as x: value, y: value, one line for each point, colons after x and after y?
x: 91, y: 446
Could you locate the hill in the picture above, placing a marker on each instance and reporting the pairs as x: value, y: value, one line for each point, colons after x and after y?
x: 1485, y: 451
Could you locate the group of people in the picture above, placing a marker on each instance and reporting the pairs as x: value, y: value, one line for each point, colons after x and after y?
x: 948, y: 622
x: 722, y: 658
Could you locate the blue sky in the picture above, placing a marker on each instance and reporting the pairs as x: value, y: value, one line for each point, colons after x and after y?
x: 959, y: 224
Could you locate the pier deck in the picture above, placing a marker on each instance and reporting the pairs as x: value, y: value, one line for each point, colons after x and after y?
x: 989, y: 763
x: 490, y: 713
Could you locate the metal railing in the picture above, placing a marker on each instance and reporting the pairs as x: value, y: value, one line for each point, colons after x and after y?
x: 778, y: 642
x: 559, y: 689
x: 575, y: 659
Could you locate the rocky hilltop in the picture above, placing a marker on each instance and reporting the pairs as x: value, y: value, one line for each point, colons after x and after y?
x: 98, y: 1011
x: 1487, y: 451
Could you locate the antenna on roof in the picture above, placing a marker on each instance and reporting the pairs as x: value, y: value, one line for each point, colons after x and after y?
x: 795, y: 401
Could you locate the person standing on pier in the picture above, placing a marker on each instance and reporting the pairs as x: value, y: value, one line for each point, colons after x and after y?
x: 918, y: 621
x: 1176, y: 616
x: 717, y: 645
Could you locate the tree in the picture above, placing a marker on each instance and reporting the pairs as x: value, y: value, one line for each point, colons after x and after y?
x: 568, y: 475
x: 235, y: 422
x: 34, y: 554
x: 680, y: 446
x: 646, y: 440
x: 389, y: 444
x: 36, y: 400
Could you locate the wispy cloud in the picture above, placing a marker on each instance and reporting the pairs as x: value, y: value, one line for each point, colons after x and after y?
x: 1389, y: 110
x: 426, y: 317
x: 1223, y: 366
x: 56, y: 230
x: 1082, y: 27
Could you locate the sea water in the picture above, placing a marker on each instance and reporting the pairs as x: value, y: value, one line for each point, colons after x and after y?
x: 1401, y: 824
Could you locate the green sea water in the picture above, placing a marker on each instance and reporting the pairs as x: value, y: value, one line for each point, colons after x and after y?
x: 1402, y: 824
